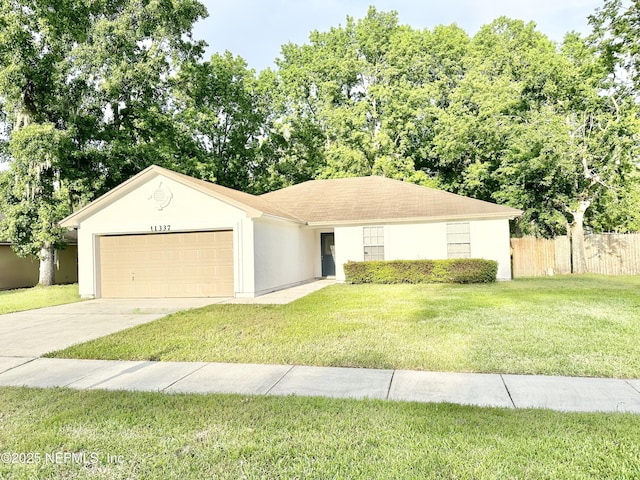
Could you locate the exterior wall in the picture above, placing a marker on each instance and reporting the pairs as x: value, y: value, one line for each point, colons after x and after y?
x: 15, y: 271
x: 188, y: 210
x: 489, y: 240
x: 401, y: 242
x: 67, y: 265
x: 349, y: 247
x: 18, y: 272
x: 284, y: 254
x: 424, y: 241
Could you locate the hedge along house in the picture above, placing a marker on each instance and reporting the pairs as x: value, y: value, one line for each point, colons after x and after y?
x: 164, y: 234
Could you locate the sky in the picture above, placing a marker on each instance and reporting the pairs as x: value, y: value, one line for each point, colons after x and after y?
x: 256, y: 29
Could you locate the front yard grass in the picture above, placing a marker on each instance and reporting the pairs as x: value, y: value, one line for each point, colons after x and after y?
x: 37, y: 297
x: 116, y: 435
x: 577, y: 326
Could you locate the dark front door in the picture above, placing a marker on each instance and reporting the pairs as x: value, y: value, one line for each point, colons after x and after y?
x: 327, y: 246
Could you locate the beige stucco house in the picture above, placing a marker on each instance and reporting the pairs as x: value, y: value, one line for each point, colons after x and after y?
x: 164, y: 234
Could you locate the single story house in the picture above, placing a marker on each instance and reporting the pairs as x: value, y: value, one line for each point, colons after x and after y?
x: 164, y: 234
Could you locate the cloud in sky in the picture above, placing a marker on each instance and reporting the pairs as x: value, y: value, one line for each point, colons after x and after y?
x: 256, y: 29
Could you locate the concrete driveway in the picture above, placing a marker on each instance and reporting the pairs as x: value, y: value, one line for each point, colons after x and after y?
x: 35, y: 332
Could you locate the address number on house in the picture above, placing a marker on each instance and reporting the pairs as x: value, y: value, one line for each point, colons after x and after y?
x: 160, y: 228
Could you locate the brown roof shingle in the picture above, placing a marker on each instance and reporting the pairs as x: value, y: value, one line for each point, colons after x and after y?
x: 326, y: 202
x: 252, y: 201
x: 350, y: 200
x: 245, y: 201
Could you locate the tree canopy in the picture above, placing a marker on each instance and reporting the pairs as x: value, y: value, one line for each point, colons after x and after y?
x: 506, y: 116
x: 94, y: 76
x: 94, y: 92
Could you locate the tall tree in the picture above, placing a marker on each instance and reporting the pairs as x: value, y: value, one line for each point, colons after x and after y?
x: 616, y: 35
x: 96, y: 73
x: 222, y: 107
x: 35, y: 49
x: 35, y: 196
x: 532, y: 125
x: 510, y: 70
x: 365, y: 93
x: 564, y: 161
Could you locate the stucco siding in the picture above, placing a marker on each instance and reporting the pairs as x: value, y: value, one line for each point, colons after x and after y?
x: 16, y: 272
x: 67, y: 265
x: 138, y: 212
x: 86, y: 267
x: 284, y: 254
x: 489, y: 240
x: 416, y: 241
x: 401, y: 242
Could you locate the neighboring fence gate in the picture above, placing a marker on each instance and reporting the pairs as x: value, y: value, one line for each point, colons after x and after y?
x: 608, y: 254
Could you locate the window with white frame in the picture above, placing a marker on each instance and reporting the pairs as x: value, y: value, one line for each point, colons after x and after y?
x: 458, y: 240
x: 373, y: 241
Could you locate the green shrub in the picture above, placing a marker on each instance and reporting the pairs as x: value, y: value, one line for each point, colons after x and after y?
x: 459, y: 270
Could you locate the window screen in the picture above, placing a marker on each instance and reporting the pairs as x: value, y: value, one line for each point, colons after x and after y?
x: 458, y: 240
x: 373, y: 241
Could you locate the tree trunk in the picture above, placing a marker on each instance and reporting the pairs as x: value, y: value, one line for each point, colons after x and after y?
x: 578, y: 260
x: 47, y: 265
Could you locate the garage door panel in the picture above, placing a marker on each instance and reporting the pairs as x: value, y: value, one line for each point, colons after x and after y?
x: 167, y: 265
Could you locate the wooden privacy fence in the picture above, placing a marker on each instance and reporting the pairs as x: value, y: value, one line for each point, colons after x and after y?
x: 607, y: 254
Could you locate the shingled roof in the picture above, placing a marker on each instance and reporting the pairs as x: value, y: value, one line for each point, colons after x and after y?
x: 378, y: 199
x: 251, y: 204
x: 326, y: 202
x: 234, y: 197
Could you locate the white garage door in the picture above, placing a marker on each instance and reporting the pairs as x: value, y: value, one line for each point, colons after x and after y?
x: 198, y: 264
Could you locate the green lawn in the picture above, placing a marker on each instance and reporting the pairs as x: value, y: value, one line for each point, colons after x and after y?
x: 581, y: 326
x: 37, y: 297
x: 157, y: 436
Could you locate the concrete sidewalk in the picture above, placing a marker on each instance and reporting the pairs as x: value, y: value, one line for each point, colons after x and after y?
x: 24, y: 336
x: 284, y: 296
x: 489, y: 390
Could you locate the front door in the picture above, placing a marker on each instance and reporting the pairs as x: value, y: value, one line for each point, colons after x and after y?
x: 327, y: 245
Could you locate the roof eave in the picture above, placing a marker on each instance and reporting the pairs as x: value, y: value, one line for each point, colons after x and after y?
x: 278, y: 218
x: 250, y: 211
x: 74, y: 220
x: 484, y: 216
